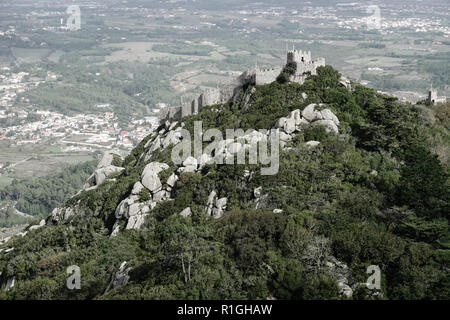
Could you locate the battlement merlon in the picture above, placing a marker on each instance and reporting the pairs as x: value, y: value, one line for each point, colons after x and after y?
x: 299, y: 56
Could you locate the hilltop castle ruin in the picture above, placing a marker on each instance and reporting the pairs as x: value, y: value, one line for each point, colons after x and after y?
x: 302, y: 62
x: 433, y: 97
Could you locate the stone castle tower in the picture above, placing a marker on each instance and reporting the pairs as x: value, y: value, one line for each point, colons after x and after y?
x: 432, y: 95
x: 303, y: 62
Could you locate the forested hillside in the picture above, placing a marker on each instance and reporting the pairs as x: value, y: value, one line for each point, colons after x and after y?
x: 38, y: 197
x: 376, y: 193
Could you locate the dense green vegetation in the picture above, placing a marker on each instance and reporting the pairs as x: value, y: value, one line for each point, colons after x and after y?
x: 375, y: 194
x: 38, y: 196
x: 9, y: 218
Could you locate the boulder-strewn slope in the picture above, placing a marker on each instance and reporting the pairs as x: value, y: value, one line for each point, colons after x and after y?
x: 357, y: 186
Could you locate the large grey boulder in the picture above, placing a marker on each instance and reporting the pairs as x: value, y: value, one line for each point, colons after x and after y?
x: 310, y: 113
x: 285, y: 137
x: 296, y: 115
x: 302, y: 122
x: 133, y: 210
x: 327, y: 114
x: 150, y: 141
x: 210, y: 202
x: 37, y: 226
x: 154, y: 168
x: 187, y: 169
x: 135, y: 222
x: 61, y: 214
x: 172, y: 180
x: 289, y: 126
x: 151, y: 182
x: 341, y: 272
x: 186, y: 212
x: 173, y: 125
x: 104, y: 172
x: 260, y: 201
x: 221, y: 146
x: 219, y: 208
x: 150, y: 178
x: 156, y: 144
x: 89, y: 182
x: 312, y: 143
x: 211, y: 197
x: 173, y: 137
x: 106, y: 160
x: 152, y: 145
x: 253, y: 137
x: 137, y: 188
x: 161, y: 196
x: 122, y: 210
x: 280, y: 122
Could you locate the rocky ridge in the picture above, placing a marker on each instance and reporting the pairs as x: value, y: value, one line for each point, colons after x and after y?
x: 133, y: 209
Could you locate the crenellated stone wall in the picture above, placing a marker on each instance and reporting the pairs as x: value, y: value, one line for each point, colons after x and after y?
x: 304, y: 64
x: 254, y: 76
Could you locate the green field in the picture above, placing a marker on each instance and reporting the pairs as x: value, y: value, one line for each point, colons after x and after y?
x: 5, y: 181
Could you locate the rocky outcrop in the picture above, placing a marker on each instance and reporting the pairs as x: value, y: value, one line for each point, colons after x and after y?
x: 10, y: 284
x: 312, y: 143
x: 189, y: 165
x: 149, y: 177
x: 163, y: 139
x: 219, y: 207
x: 132, y: 208
x: 103, y: 173
x: 311, y: 115
x: 340, y: 271
x: 37, y: 226
x: 346, y: 83
x: 215, y: 206
x: 120, y: 278
x: 105, y: 168
x: 257, y: 192
x: 106, y: 161
x: 259, y: 197
x: 186, y: 212
x: 134, y: 211
x: 172, y: 180
x: 137, y: 188
x: 62, y: 214
x: 210, y: 203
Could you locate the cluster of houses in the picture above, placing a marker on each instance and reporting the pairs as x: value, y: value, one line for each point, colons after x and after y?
x: 99, y: 130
